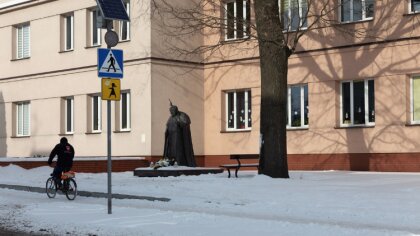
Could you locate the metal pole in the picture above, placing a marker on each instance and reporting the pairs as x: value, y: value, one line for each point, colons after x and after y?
x: 109, y: 143
x: 109, y: 157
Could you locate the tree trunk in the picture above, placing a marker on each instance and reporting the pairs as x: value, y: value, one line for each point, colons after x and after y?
x: 274, y: 55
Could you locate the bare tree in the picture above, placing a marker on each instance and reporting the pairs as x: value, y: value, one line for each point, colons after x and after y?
x: 275, y: 29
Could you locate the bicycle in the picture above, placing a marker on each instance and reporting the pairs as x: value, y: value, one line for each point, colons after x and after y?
x: 69, y: 187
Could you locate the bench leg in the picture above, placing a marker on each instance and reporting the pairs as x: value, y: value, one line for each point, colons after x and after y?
x: 228, y: 172
x: 236, y: 172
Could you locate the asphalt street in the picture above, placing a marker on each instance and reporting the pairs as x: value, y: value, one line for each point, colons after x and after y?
x: 10, y: 232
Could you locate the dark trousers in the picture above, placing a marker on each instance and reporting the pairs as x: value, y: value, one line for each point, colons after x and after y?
x: 57, y: 173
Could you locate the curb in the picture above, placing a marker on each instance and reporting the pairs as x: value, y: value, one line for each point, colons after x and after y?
x: 86, y: 193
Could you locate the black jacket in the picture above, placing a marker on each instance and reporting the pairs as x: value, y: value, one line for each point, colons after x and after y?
x: 65, y: 153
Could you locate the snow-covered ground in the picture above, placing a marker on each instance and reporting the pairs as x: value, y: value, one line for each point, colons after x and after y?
x: 309, y: 203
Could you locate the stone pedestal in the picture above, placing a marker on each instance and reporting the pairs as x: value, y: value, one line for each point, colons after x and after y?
x: 175, y: 171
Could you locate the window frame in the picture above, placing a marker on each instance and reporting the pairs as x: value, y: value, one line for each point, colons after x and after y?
x: 93, y: 14
x: 366, y: 104
x: 412, y: 121
x: 66, y: 127
x: 289, y: 27
x: 127, y: 5
x: 411, y: 8
x: 22, y: 134
x: 128, y: 109
x: 66, y: 37
x: 22, y: 55
x: 364, y: 18
x: 245, y: 7
x: 302, y: 107
x: 99, y: 114
x: 246, y: 108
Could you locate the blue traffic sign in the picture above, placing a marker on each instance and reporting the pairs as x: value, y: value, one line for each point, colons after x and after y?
x: 110, y: 63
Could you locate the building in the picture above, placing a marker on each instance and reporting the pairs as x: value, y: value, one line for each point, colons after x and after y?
x: 362, y: 92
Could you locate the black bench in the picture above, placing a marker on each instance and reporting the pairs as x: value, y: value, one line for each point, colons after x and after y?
x: 237, y: 166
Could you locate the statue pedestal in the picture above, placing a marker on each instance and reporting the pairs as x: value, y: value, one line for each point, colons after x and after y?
x: 175, y: 171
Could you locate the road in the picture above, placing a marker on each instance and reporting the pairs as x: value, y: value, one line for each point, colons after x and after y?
x: 8, y: 232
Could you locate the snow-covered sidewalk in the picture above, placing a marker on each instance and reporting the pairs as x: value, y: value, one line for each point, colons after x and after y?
x: 309, y: 203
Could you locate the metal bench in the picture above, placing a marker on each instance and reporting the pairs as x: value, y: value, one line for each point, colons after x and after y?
x: 238, y: 158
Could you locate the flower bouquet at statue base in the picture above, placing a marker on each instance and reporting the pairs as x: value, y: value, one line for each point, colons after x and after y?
x: 165, y: 162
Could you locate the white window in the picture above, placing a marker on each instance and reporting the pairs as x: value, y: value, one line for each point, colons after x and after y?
x: 96, y: 114
x: 238, y: 110
x: 23, y: 115
x: 414, y: 5
x: 297, y: 106
x: 415, y: 100
x: 8, y: 3
x: 68, y: 32
x: 69, y: 115
x: 356, y: 10
x: 237, y: 15
x: 125, y: 111
x: 125, y: 25
x: 294, y: 13
x: 95, y: 31
x: 23, y: 37
x: 357, y: 103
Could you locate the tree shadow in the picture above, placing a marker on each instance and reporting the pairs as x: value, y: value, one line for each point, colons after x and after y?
x: 3, y: 133
x: 326, y: 54
x: 350, y: 57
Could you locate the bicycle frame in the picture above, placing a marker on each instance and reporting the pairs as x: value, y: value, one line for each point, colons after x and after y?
x: 69, y: 186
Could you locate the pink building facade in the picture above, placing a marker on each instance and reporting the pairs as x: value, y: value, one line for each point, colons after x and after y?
x: 354, y: 100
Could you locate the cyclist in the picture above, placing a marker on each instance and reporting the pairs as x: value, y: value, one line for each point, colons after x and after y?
x: 65, y: 153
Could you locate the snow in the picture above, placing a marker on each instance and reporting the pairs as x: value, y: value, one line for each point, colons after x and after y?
x: 309, y: 203
x: 45, y: 159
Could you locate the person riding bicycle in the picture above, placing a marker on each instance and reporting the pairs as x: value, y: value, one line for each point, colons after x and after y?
x: 65, y: 153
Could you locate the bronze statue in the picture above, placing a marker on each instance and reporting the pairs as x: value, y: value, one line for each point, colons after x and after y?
x: 178, y: 144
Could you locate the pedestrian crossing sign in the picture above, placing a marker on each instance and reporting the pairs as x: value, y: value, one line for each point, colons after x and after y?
x: 111, y: 89
x: 110, y: 63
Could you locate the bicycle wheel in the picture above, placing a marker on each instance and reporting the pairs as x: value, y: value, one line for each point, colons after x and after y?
x: 70, y: 189
x: 50, y: 188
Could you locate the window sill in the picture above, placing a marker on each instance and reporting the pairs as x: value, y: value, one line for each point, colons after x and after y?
x: 66, y: 134
x: 354, y: 126
x: 93, y: 46
x: 23, y: 136
x: 296, y: 30
x: 122, y: 131
x: 296, y: 128
x: 236, y: 131
x: 20, y: 59
x: 412, y: 124
x: 227, y: 41
x: 355, y: 22
x: 124, y: 41
x: 64, y: 51
x: 94, y: 132
x: 411, y: 13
